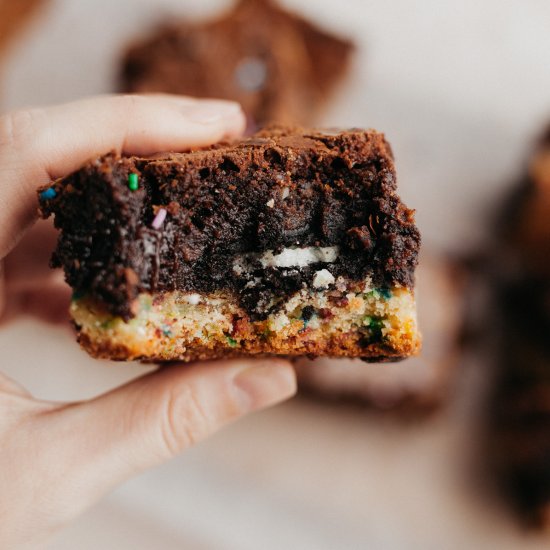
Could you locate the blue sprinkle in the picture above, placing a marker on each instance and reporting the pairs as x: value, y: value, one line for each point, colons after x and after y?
x: 48, y: 194
x: 385, y: 292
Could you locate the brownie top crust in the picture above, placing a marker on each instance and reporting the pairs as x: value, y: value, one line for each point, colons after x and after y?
x: 201, y: 221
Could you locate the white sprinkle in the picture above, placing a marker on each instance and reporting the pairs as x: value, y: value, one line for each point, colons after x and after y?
x: 270, y: 203
x: 238, y: 267
x: 193, y: 299
x: 159, y: 219
x: 278, y: 322
x: 367, y: 287
x: 285, y: 193
x: 323, y: 278
x: 341, y: 283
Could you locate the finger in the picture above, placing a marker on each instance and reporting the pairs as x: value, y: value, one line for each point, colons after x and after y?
x: 9, y: 386
x: 38, y: 145
x: 2, y: 288
x: 27, y: 265
x: 48, y: 302
x: 159, y: 415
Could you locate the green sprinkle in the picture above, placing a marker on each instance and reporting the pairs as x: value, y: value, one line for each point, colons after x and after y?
x: 373, y: 294
x: 376, y: 324
x: 109, y: 323
x: 231, y: 341
x: 367, y: 321
x: 374, y: 327
x: 133, y: 182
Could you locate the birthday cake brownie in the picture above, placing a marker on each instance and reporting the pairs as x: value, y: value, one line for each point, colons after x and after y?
x: 278, y: 66
x: 291, y: 242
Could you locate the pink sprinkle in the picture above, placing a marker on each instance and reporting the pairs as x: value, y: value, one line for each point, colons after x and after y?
x: 159, y: 219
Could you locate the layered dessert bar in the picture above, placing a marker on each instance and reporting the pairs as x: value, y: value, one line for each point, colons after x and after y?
x: 518, y: 438
x: 278, y: 66
x: 291, y: 242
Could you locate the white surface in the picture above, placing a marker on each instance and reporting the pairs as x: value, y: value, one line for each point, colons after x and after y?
x: 460, y: 88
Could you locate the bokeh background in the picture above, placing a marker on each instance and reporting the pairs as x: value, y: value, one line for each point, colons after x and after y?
x: 461, y: 90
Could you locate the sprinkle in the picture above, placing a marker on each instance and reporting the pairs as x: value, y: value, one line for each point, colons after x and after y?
x: 159, y: 219
x: 193, y: 299
x: 133, y: 182
x: 285, y: 193
x: 231, y: 341
x: 270, y: 203
x: 385, y: 293
x: 48, y: 194
x: 323, y: 278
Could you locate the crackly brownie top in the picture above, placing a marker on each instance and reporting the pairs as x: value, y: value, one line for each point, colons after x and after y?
x: 190, y: 221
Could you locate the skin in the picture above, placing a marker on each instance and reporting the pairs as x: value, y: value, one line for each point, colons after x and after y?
x: 57, y: 459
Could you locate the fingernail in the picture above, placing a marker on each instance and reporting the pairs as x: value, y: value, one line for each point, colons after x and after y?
x: 210, y: 111
x: 265, y: 384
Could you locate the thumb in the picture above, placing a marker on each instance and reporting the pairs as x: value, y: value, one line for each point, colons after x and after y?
x: 155, y: 417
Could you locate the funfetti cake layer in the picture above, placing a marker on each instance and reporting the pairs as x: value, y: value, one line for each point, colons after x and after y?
x: 291, y: 242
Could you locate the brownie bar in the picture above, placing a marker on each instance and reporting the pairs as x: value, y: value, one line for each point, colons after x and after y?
x: 286, y: 217
x: 518, y: 438
x: 278, y: 66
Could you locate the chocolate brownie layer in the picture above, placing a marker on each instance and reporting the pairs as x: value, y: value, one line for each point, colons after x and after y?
x: 278, y: 66
x: 258, y: 221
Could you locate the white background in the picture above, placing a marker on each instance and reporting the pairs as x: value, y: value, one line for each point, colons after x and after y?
x: 461, y: 90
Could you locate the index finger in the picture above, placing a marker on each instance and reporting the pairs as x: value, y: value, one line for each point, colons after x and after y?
x: 38, y: 145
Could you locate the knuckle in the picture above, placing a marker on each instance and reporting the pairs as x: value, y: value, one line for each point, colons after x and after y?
x: 185, y: 420
x: 17, y: 127
x: 131, y: 103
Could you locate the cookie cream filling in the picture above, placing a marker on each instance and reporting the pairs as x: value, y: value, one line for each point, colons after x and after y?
x: 288, y: 257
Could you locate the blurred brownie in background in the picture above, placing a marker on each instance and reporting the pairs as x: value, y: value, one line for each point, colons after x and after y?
x: 419, y: 383
x: 14, y: 14
x: 518, y: 438
x: 279, y: 66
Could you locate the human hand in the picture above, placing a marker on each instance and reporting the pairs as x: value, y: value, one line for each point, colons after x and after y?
x: 58, y: 458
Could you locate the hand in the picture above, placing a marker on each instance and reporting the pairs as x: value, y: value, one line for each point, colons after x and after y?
x: 57, y: 459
